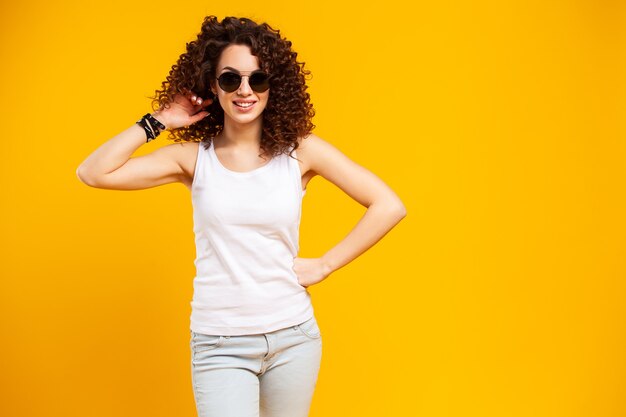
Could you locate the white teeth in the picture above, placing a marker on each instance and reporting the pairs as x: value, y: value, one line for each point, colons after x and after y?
x: 244, y: 104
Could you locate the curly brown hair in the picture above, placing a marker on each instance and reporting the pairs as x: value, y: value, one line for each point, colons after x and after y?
x: 288, y: 113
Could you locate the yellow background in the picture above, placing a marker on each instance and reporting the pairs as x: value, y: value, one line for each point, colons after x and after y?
x: 500, y: 125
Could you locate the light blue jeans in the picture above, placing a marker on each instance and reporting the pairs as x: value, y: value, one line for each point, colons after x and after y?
x: 267, y: 375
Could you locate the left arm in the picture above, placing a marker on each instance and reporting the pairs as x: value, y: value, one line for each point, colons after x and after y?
x: 384, y: 208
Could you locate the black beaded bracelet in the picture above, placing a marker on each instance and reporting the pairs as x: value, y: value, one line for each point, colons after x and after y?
x: 151, y: 126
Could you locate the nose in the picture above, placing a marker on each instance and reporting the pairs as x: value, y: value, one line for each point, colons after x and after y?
x: 244, y: 87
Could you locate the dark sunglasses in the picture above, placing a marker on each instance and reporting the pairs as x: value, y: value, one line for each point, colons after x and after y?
x: 230, y: 81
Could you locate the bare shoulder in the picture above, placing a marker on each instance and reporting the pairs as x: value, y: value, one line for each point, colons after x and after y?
x: 308, y: 148
x: 186, y: 155
x: 326, y: 160
x: 318, y: 155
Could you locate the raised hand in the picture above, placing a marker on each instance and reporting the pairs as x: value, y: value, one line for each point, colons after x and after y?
x: 185, y: 110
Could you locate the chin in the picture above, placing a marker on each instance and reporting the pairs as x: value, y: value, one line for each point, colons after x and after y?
x: 234, y: 114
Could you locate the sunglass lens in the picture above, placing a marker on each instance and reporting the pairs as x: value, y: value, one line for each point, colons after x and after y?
x: 259, y: 82
x: 229, y: 81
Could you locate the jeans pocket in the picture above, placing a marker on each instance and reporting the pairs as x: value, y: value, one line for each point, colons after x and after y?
x: 310, y: 328
x: 202, y: 342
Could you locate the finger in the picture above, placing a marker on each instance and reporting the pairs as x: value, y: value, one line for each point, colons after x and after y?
x: 189, y: 95
x: 197, y: 117
x: 207, y: 102
x: 199, y: 101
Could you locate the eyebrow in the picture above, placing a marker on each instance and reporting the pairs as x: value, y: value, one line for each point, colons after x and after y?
x: 236, y: 70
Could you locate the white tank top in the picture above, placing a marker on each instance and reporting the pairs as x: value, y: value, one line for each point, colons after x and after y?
x: 246, y: 227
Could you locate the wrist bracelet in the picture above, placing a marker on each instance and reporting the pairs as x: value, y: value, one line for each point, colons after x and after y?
x: 151, y: 126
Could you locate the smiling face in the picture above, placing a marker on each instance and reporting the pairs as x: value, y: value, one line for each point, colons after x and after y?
x: 239, y: 59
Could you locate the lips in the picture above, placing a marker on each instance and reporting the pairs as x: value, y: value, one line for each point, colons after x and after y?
x: 245, y: 103
x: 246, y: 108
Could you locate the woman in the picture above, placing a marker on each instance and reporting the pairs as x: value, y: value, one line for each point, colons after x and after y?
x: 239, y: 91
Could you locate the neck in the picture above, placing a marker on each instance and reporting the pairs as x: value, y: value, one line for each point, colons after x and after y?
x: 241, y: 135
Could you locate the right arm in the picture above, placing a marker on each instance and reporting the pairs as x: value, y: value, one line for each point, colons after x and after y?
x: 111, y: 167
